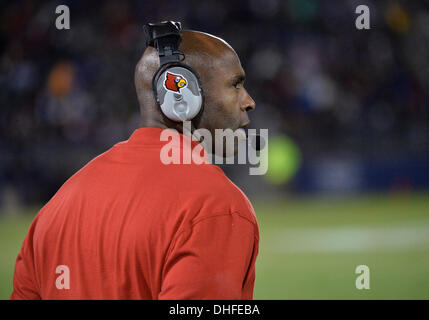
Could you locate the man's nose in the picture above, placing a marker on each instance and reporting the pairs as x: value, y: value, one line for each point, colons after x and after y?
x: 248, y: 103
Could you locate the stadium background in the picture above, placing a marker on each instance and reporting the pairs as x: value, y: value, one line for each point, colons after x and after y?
x: 347, y: 112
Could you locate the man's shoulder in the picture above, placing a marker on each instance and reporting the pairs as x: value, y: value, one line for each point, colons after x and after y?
x: 210, y: 178
x: 78, y: 181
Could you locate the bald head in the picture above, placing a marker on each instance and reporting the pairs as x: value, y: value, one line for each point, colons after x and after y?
x: 205, y: 53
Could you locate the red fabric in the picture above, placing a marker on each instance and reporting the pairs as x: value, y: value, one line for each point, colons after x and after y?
x: 129, y: 227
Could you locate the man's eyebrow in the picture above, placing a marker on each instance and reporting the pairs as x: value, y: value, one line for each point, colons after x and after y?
x: 239, y: 78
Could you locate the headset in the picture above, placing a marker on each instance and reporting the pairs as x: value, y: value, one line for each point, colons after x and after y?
x: 176, y: 86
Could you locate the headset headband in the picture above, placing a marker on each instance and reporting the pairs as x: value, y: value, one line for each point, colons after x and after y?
x: 165, y: 37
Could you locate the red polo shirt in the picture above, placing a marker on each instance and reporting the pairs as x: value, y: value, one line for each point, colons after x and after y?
x: 127, y: 226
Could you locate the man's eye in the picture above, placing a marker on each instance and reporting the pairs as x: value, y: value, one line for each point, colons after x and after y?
x: 236, y: 85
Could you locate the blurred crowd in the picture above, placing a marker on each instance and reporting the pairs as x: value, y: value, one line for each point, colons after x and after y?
x: 338, y: 92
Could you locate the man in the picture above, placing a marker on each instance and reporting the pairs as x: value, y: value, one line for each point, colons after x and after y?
x: 127, y: 226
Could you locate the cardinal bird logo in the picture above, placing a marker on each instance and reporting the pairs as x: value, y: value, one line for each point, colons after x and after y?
x: 174, y: 82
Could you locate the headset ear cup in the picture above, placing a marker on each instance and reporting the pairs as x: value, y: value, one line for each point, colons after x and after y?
x: 178, y: 92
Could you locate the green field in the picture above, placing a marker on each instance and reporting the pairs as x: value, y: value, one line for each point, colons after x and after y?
x: 310, y: 247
